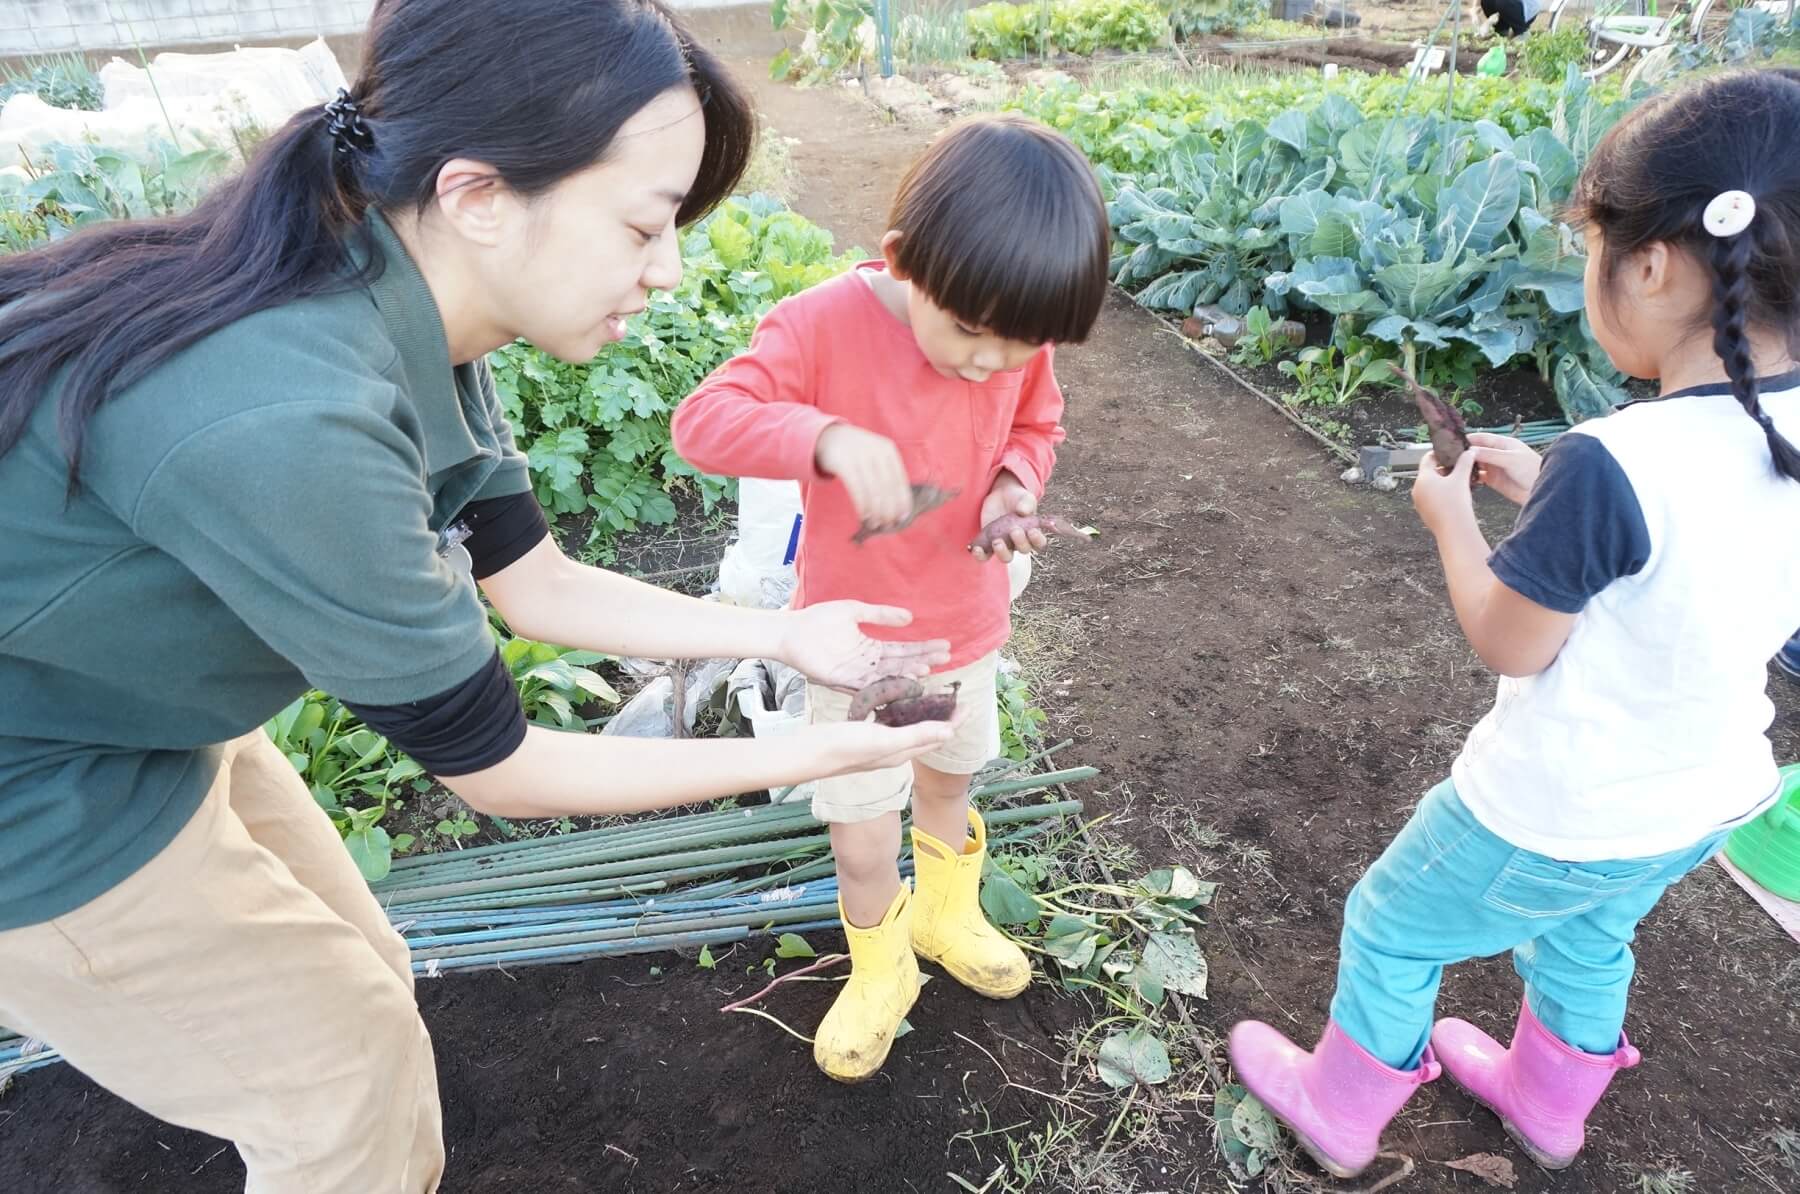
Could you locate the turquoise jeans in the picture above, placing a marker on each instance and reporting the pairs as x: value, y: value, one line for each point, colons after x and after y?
x: 1447, y: 890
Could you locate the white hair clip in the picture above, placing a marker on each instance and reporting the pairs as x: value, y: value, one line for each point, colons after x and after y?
x: 1729, y: 213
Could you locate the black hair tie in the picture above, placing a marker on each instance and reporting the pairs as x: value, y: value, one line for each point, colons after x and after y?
x: 344, y: 121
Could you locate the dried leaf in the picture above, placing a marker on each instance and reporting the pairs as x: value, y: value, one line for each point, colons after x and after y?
x: 1253, y: 1124
x: 1175, y: 882
x: 1245, y: 1161
x: 1133, y: 1055
x: 1071, y: 941
x: 1491, y: 1168
x: 1176, y: 962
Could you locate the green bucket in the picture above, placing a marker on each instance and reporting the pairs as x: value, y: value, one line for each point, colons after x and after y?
x: 1768, y: 848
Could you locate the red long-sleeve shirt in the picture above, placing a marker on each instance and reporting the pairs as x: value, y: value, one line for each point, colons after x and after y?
x: 836, y: 354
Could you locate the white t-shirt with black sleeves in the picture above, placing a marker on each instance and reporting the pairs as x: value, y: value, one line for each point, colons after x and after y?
x: 1667, y: 529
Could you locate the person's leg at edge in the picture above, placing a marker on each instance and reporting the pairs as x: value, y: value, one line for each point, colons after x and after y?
x: 1788, y: 658
x: 210, y: 988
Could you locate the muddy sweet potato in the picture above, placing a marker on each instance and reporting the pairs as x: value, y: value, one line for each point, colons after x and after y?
x: 926, y: 498
x: 1449, y: 434
x: 1002, y: 528
x: 939, y: 706
x: 884, y: 692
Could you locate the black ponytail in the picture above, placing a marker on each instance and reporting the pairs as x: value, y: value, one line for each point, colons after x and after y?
x: 106, y: 306
x: 535, y: 88
x: 1651, y: 178
x: 1731, y: 258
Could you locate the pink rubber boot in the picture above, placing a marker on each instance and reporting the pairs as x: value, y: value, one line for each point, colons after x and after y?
x: 1336, y: 1099
x: 1542, y: 1089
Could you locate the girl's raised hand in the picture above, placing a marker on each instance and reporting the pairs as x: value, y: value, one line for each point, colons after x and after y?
x: 1443, y: 499
x: 1507, y: 466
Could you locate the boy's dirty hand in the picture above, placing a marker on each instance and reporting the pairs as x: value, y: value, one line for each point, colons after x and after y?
x: 870, y: 467
x: 1009, y: 496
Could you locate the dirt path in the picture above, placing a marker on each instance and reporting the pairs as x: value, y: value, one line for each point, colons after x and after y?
x: 1267, y: 657
x: 1263, y: 665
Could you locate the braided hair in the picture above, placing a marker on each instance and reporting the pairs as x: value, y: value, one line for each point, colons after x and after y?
x: 1732, y: 298
x: 1652, y: 178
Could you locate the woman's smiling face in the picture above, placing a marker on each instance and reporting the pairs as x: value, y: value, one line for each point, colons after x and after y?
x: 576, y: 262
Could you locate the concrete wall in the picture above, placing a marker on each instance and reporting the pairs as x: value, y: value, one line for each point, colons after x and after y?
x: 50, y: 26
x: 29, y: 27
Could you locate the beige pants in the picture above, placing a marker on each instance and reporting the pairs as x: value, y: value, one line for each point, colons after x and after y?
x: 245, y: 983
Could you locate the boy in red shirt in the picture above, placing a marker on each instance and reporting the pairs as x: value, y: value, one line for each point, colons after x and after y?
x: 930, y: 366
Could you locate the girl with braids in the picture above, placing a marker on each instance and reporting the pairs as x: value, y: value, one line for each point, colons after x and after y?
x: 254, y: 449
x: 1653, y: 571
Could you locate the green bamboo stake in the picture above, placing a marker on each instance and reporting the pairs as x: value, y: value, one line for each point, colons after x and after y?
x: 608, y: 833
x: 586, y: 853
x: 618, y: 863
x: 530, y: 896
x: 732, y: 855
x: 774, y: 914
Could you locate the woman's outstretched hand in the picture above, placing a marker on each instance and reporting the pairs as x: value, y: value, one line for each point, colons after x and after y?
x: 828, y: 645
x: 852, y: 747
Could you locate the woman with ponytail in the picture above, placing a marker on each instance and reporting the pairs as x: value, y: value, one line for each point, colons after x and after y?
x: 1653, y: 571
x: 253, y: 449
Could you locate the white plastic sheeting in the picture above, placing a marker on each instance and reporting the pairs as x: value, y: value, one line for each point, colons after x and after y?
x: 209, y: 99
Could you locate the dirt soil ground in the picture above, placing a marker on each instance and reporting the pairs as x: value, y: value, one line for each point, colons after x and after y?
x: 1264, y: 667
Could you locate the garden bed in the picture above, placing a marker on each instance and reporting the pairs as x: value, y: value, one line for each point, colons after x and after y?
x: 621, y: 1075
x: 1349, y: 51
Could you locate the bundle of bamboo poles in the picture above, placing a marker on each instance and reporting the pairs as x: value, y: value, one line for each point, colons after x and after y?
x: 1537, y: 434
x: 674, y: 883
x: 19, y: 1054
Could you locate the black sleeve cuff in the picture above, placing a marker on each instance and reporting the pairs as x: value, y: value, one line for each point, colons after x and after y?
x: 469, y: 728
x: 502, y: 530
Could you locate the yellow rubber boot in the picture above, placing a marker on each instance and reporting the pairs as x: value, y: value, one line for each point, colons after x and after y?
x: 856, y: 1034
x: 949, y: 927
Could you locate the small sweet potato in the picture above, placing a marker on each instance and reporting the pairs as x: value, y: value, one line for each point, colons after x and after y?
x: 926, y: 498
x: 1449, y: 434
x: 1002, y: 529
x: 884, y: 692
x: 939, y: 706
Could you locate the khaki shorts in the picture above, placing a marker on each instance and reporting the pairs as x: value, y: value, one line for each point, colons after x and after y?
x: 870, y: 794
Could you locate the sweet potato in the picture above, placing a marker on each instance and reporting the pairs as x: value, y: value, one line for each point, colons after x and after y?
x: 939, y: 706
x: 1002, y: 529
x: 1449, y: 434
x: 883, y: 692
x: 926, y: 498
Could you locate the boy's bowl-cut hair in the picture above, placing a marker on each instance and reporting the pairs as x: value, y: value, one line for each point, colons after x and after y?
x: 1003, y: 225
